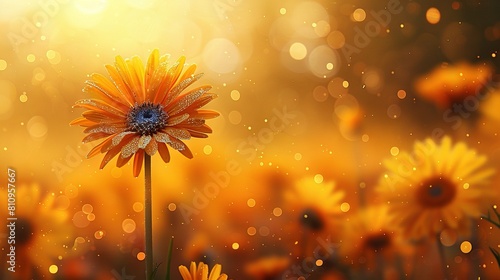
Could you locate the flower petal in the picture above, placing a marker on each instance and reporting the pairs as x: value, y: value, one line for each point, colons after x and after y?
x: 185, y: 273
x: 177, y: 133
x: 138, y: 159
x: 215, y: 273
x: 130, y: 148
x: 194, y: 122
x: 104, y: 88
x: 136, y: 70
x: 94, y: 136
x: 202, y: 271
x: 162, y: 137
x: 81, y: 121
x: 98, y: 149
x: 153, y: 62
x: 181, y: 147
x: 202, y: 101
x: 204, y: 128
x: 204, y: 114
x: 101, y: 117
x: 184, y: 101
x: 169, y: 81
x: 121, y: 161
x: 144, y: 141
x: 192, y: 269
x: 177, y: 119
x: 108, y: 156
x: 120, y: 85
x: 156, y: 80
x: 122, y: 67
x: 182, y: 85
x: 151, y: 148
x: 188, y: 73
x: 119, y: 138
x: 163, y: 151
x: 197, y: 134
x: 104, y: 128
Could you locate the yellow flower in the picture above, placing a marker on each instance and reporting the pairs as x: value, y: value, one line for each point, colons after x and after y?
x: 490, y: 115
x: 269, y: 267
x: 142, y: 109
x: 371, y: 233
x: 314, y: 203
x: 201, y: 272
x: 447, y: 84
x: 439, y: 186
x: 42, y: 232
x: 350, y: 122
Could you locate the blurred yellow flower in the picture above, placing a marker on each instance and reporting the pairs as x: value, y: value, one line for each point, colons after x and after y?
x: 141, y: 110
x: 370, y: 234
x: 270, y: 267
x: 43, y: 232
x: 350, y: 122
x: 200, y: 272
x: 447, y: 84
x: 314, y: 203
x: 438, y: 186
x: 490, y: 114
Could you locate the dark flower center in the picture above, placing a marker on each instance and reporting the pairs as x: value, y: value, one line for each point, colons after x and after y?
x: 377, y: 241
x: 146, y: 118
x: 24, y: 231
x: 310, y: 218
x: 436, y: 192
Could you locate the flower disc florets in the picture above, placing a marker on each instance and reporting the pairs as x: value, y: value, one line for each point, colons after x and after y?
x: 147, y: 118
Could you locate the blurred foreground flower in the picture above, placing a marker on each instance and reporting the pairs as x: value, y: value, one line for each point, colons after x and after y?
x: 447, y: 84
x: 41, y: 232
x: 438, y: 186
x: 200, y: 272
x: 141, y: 110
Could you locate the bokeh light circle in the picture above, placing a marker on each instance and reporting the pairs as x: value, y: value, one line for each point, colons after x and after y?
x: 128, y: 225
x: 298, y: 51
x: 324, y: 62
x: 221, y: 55
x: 37, y: 127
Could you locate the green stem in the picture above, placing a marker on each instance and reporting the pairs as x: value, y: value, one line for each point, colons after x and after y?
x: 169, y: 260
x: 148, y: 221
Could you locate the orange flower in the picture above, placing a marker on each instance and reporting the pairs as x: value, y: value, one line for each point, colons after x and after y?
x: 141, y: 110
x: 371, y: 234
x: 439, y: 186
x: 447, y: 84
x: 201, y: 272
x: 315, y: 204
x: 269, y: 267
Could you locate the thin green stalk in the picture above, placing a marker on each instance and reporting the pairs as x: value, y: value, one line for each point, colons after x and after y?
x: 148, y: 221
x: 169, y: 259
x: 488, y: 218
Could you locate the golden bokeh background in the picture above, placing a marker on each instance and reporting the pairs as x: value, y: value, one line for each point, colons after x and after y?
x: 313, y: 90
